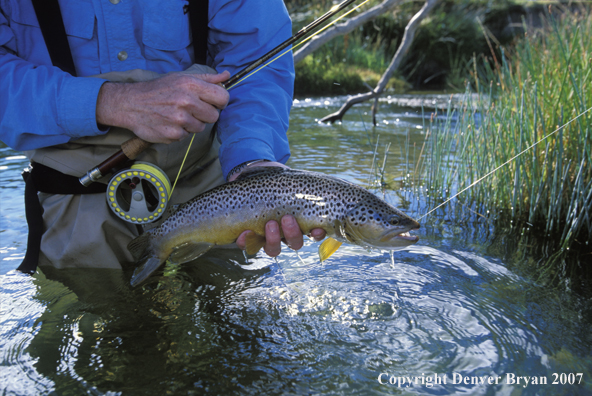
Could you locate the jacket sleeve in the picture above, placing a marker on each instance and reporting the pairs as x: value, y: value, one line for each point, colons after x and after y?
x: 40, y: 105
x: 254, y: 124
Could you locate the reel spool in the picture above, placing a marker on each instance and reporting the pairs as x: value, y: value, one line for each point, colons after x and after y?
x: 140, y: 194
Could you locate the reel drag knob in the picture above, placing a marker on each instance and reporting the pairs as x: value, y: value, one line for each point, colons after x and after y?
x: 140, y: 194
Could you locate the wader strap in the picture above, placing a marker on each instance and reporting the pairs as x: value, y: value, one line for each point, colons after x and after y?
x: 40, y: 178
x: 198, y: 19
x: 54, y: 33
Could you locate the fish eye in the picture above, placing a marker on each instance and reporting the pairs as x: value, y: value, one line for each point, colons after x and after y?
x: 394, y: 220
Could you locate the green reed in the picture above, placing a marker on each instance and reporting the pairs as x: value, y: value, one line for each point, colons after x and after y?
x: 544, y: 81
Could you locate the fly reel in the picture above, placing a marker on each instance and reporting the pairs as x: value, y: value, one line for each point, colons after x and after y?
x: 140, y: 194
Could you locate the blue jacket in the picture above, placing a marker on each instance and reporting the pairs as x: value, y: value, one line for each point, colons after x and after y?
x: 42, y: 106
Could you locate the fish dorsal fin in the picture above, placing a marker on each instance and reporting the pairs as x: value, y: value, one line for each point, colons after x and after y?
x: 254, y: 242
x: 257, y: 170
x: 189, y: 251
x: 328, y: 247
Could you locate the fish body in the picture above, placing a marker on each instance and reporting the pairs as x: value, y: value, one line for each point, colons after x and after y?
x: 347, y: 213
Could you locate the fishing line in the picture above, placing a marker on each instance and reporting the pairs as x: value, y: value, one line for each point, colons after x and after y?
x: 267, y: 64
x: 183, y: 163
x: 504, y: 164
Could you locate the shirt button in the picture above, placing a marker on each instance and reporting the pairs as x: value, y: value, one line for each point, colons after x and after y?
x: 114, y: 1
x: 122, y: 55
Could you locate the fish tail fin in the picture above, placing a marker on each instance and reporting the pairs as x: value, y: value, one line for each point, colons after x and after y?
x: 148, y: 265
x: 146, y: 256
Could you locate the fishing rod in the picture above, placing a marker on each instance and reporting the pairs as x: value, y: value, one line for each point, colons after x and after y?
x: 133, y: 147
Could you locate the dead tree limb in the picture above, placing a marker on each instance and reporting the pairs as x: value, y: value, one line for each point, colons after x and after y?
x: 410, y: 30
x: 343, y: 28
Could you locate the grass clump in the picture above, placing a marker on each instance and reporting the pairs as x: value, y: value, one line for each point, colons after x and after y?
x: 540, y: 85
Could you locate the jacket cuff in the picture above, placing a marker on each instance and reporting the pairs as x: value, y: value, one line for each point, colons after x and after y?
x: 77, y: 106
x: 246, y: 150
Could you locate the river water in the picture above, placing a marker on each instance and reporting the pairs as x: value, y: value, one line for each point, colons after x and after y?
x: 454, y: 314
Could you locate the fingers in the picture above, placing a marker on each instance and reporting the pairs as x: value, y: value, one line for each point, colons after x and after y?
x: 169, y: 108
x: 209, y: 89
x: 273, y: 239
x: 241, y: 240
x: 318, y: 234
x: 292, y: 232
x: 273, y: 236
x: 162, y: 135
x: 214, y: 78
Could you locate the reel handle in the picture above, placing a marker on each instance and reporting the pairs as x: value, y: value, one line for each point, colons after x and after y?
x: 130, y: 149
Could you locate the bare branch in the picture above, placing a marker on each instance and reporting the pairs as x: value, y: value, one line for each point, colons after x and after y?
x: 394, y: 65
x: 343, y: 28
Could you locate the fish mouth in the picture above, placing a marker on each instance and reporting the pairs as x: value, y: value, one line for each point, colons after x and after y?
x: 401, y: 237
x: 406, y: 236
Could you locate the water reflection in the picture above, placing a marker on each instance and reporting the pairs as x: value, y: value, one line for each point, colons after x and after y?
x: 295, y: 326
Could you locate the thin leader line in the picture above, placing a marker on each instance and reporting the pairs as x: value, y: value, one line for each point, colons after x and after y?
x: 504, y: 164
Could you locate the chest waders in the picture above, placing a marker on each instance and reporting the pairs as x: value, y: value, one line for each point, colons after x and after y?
x: 52, y: 185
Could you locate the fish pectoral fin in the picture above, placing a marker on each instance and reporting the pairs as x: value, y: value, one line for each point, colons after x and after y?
x: 254, y: 242
x: 189, y: 251
x: 139, y: 246
x: 328, y: 247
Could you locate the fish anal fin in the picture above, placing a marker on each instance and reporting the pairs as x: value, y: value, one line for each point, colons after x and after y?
x: 189, y: 251
x: 254, y: 242
x: 328, y: 247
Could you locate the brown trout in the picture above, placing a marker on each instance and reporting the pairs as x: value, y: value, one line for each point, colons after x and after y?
x: 347, y: 213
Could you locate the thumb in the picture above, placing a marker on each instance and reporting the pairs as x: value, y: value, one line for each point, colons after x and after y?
x: 214, y: 78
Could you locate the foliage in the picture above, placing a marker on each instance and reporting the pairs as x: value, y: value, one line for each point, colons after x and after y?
x: 439, y: 57
x: 358, y: 70
x: 543, y: 86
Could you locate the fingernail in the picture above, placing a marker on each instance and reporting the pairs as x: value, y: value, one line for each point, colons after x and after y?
x: 288, y: 221
x: 272, y: 226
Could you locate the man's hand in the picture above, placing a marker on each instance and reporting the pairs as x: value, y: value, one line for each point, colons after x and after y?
x: 289, y: 226
x: 166, y: 109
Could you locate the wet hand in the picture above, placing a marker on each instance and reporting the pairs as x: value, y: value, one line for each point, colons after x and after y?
x: 293, y: 236
x: 166, y: 109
